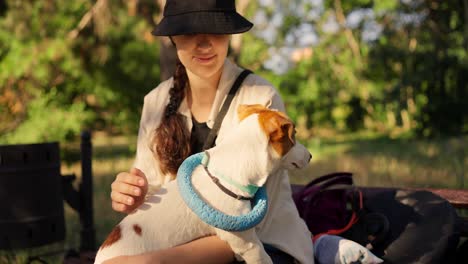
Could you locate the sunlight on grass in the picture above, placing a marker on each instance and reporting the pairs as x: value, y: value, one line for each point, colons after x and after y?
x: 374, y: 161
x: 380, y: 161
x: 111, y: 155
x: 51, y: 253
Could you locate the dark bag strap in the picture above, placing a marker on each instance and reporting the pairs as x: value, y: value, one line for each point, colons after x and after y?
x: 355, y: 215
x: 210, y: 139
x: 328, y: 177
x: 325, y: 182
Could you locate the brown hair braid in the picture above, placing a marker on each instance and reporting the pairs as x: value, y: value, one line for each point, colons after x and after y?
x: 172, y: 138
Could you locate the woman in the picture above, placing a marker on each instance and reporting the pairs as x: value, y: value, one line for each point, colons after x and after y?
x: 178, y: 115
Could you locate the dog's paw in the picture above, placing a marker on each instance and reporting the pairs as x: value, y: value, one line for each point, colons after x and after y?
x: 338, y: 250
x: 352, y: 252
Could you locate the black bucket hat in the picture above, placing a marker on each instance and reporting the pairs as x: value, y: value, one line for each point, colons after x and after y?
x: 183, y: 17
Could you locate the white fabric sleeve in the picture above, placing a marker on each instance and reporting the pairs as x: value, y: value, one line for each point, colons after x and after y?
x: 277, y: 103
x: 145, y: 160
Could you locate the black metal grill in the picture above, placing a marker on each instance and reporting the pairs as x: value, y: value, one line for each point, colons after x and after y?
x: 31, y: 199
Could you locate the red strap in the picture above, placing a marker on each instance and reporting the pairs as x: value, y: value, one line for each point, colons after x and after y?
x: 352, y: 221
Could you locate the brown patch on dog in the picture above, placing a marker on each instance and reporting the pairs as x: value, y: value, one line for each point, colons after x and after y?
x: 244, y: 111
x: 280, y: 130
x: 277, y: 125
x: 137, y: 229
x: 282, y: 142
x: 113, y: 237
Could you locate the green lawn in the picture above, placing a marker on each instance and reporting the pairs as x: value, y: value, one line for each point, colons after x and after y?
x: 381, y: 161
x: 374, y: 160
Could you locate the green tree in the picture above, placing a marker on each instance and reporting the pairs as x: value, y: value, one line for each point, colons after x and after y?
x: 390, y: 66
x: 74, y: 65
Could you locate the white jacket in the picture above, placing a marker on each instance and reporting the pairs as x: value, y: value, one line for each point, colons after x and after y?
x: 282, y: 226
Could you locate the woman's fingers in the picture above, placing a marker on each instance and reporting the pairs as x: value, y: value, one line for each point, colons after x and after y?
x: 119, y: 207
x: 136, y: 179
x: 122, y: 198
x: 125, y: 188
x: 137, y: 172
x: 142, y: 181
x: 128, y: 190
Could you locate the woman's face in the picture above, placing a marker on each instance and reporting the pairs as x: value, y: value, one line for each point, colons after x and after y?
x: 202, y: 54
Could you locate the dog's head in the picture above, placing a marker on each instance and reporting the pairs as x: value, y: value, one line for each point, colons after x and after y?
x: 263, y: 142
x: 280, y: 133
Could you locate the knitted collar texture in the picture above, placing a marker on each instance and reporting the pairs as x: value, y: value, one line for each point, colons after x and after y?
x: 210, y: 215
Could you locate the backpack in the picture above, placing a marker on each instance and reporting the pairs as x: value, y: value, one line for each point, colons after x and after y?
x: 323, y: 202
x: 332, y: 205
x: 397, y: 225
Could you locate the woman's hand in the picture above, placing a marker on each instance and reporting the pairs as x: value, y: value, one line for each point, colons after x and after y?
x: 129, y: 190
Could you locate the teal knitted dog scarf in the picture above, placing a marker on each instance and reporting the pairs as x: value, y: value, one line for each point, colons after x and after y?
x: 210, y: 215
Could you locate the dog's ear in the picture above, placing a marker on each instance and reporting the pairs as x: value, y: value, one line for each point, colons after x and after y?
x: 244, y: 110
x: 280, y: 131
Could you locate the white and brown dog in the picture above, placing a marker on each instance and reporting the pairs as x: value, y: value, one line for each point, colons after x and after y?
x: 263, y: 142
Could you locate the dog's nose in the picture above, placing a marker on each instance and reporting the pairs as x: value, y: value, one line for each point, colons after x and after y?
x: 310, y: 157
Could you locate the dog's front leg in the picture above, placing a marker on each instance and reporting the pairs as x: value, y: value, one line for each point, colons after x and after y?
x: 247, y: 245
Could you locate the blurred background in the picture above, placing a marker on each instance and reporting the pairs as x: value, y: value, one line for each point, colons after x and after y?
x: 378, y: 88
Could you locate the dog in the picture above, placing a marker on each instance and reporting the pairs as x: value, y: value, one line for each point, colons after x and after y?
x: 262, y: 143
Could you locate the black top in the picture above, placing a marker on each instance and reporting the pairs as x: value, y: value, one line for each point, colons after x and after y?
x: 198, y: 135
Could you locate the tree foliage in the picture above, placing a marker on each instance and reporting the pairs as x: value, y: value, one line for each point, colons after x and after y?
x: 390, y: 66
x: 67, y: 66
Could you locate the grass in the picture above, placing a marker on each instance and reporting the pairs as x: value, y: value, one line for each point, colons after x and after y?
x: 382, y: 161
x: 374, y: 160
